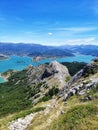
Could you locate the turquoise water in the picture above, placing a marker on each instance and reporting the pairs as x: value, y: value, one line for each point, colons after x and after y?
x: 2, y: 80
x: 78, y: 58
x: 19, y: 63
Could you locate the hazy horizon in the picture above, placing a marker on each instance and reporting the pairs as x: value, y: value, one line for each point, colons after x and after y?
x: 49, y: 45
x: 49, y: 22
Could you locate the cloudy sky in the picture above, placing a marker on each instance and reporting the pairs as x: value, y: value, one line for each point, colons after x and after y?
x: 49, y: 22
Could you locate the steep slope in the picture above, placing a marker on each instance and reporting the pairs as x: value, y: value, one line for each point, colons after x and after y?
x: 83, y: 81
x: 53, y: 74
x: 80, y: 97
x: 34, y: 84
x: 47, y: 78
x: 79, y: 109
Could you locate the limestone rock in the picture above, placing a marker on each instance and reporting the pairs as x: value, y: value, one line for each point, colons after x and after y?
x: 53, y: 73
x: 81, y: 82
x: 21, y: 123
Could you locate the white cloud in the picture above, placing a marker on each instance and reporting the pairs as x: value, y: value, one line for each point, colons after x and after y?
x: 76, y: 29
x: 50, y: 33
x: 85, y: 41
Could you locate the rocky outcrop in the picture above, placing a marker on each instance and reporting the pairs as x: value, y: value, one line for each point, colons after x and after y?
x: 85, y: 72
x: 48, y: 72
x: 3, y: 57
x: 45, y: 77
x: 21, y: 123
x: 82, y: 82
x: 60, y: 72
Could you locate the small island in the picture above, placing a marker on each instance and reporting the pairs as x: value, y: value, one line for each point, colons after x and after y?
x: 3, y: 57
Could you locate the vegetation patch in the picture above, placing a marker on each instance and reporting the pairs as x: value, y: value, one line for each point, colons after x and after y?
x: 52, y: 92
x: 67, y: 78
x: 13, y: 94
x: 80, y: 117
x: 27, y: 112
x: 74, y: 67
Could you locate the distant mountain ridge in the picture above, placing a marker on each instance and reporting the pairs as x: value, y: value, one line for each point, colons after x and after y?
x: 21, y: 48
x: 82, y: 49
x: 32, y: 50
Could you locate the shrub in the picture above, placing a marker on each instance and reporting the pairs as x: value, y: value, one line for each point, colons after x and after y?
x: 53, y: 91
x: 67, y: 78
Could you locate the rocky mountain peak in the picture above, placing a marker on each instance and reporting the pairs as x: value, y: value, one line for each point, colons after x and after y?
x: 59, y: 68
x: 53, y: 73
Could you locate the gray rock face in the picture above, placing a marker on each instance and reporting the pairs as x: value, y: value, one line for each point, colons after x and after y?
x: 91, y: 68
x: 60, y: 72
x: 79, y: 89
x: 83, y: 81
x: 45, y: 77
x: 21, y: 123
x: 59, y: 68
x: 46, y: 72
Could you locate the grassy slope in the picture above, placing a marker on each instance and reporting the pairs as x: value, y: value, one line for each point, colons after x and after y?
x: 78, y: 115
x: 14, y: 99
x: 4, y: 121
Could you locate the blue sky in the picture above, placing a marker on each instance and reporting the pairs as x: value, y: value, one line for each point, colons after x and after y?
x: 49, y: 22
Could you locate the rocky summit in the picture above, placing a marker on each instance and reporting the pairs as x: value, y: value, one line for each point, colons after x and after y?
x: 54, y: 74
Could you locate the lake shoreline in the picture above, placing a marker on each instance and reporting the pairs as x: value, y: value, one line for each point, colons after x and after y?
x: 3, y: 57
x: 3, y: 79
x: 20, y: 63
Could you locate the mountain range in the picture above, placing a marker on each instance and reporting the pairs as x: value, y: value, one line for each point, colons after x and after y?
x: 34, y: 50
x: 83, y: 49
